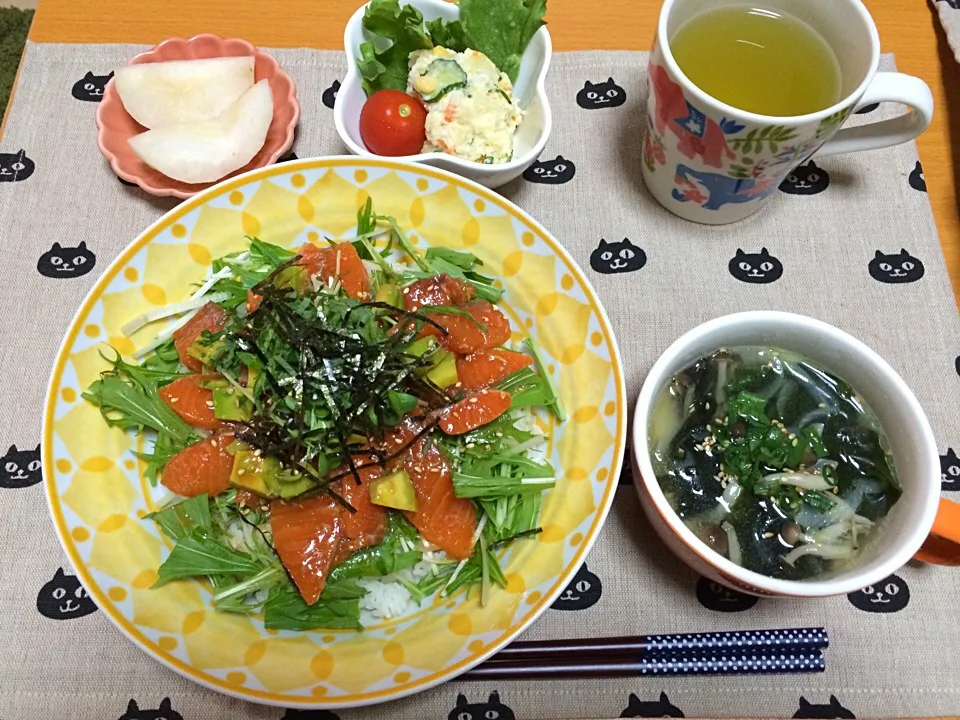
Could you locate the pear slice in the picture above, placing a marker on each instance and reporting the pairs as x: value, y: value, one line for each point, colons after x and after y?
x: 207, y: 150
x: 179, y: 91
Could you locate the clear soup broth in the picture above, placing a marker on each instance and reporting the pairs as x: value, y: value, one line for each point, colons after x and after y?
x: 772, y: 462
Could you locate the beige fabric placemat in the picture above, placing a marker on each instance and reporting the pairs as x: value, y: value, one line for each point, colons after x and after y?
x: 949, y: 12
x: 903, y: 663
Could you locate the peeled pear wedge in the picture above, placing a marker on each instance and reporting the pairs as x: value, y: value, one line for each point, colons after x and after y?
x: 205, y: 151
x: 179, y: 91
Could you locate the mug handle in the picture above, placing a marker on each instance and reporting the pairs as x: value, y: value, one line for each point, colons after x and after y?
x: 942, y: 546
x: 887, y: 87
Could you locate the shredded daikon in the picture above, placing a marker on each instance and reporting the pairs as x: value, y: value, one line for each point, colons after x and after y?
x: 168, y: 311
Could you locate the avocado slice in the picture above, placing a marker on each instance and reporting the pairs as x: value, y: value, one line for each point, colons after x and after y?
x: 390, y: 294
x: 204, y: 352
x: 295, y: 277
x: 297, y: 487
x: 256, y: 473
x: 228, y: 404
x: 394, y: 491
x: 420, y: 348
x: 443, y: 374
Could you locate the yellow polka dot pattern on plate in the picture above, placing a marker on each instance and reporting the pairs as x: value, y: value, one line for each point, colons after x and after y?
x: 98, y: 483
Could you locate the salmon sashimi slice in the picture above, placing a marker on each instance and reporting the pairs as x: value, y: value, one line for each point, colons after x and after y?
x: 253, y: 301
x: 437, y: 290
x: 464, y: 336
x: 368, y: 525
x: 441, y: 517
x: 488, y: 367
x: 474, y: 411
x: 211, y: 317
x: 307, y: 536
x: 203, y: 467
x: 192, y: 402
x: 245, y: 498
x: 338, y: 262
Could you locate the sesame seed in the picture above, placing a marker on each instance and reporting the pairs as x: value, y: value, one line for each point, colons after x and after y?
x: 795, y: 442
x: 398, y: 441
x: 256, y: 453
x: 213, y: 443
x: 209, y: 404
x: 230, y: 391
x: 474, y: 400
x: 240, y: 471
x: 470, y: 446
x: 768, y: 534
x: 406, y: 291
x: 499, y: 434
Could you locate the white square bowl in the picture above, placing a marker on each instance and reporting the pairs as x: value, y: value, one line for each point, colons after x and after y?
x: 529, y: 91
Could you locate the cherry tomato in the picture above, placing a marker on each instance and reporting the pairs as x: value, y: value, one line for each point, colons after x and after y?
x: 393, y: 123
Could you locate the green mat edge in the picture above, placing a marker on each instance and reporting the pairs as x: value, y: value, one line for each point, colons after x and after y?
x: 14, y: 26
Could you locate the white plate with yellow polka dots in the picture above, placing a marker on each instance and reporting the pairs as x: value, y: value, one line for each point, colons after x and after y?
x: 98, y: 495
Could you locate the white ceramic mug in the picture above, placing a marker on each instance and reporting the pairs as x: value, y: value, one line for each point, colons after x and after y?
x: 712, y: 163
x: 919, y: 525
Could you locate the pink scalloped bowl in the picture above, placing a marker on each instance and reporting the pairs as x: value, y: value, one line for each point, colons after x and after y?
x: 115, y: 126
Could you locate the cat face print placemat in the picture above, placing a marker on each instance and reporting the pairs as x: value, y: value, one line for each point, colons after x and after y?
x: 850, y: 240
x: 949, y: 12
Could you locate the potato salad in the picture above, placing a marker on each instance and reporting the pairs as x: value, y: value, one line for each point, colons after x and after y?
x: 471, y: 112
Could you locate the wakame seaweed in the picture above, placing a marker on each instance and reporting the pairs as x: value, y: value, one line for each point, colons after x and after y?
x: 772, y: 462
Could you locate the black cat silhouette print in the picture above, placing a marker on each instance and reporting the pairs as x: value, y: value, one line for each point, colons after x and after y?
x: 583, y: 592
x: 950, y: 471
x: 755, y: 268
x: 15, y: 167
x: 896, y: 268
x: 832, y: 710
x: 64, y: 598
x: 551, y: 172
x: 890, y: 595
x: 808, y: 179
x: 90, y: 87
x: 659, y: 708
x: 596, y: 96
x: 20, y: 468
x: 492, y: 709
x: 329, y: 97
x: 164, y: 712
x: 617, y: 257
x: 61, y: 262
x: 916, y: 179
x: 714, y: 596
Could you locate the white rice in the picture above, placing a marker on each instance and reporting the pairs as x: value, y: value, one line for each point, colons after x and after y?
x: 386, y: 598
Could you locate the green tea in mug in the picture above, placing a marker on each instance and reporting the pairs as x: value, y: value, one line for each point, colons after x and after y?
x: 759, y: 60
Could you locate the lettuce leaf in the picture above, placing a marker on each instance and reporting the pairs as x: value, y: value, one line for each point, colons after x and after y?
x: 501, y: 29
x: 399, y: 31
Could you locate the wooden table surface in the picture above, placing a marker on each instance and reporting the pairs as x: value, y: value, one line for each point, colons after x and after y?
x: 908, y: 28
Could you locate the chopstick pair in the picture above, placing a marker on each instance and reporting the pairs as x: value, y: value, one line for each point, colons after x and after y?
x: 797, y: 650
